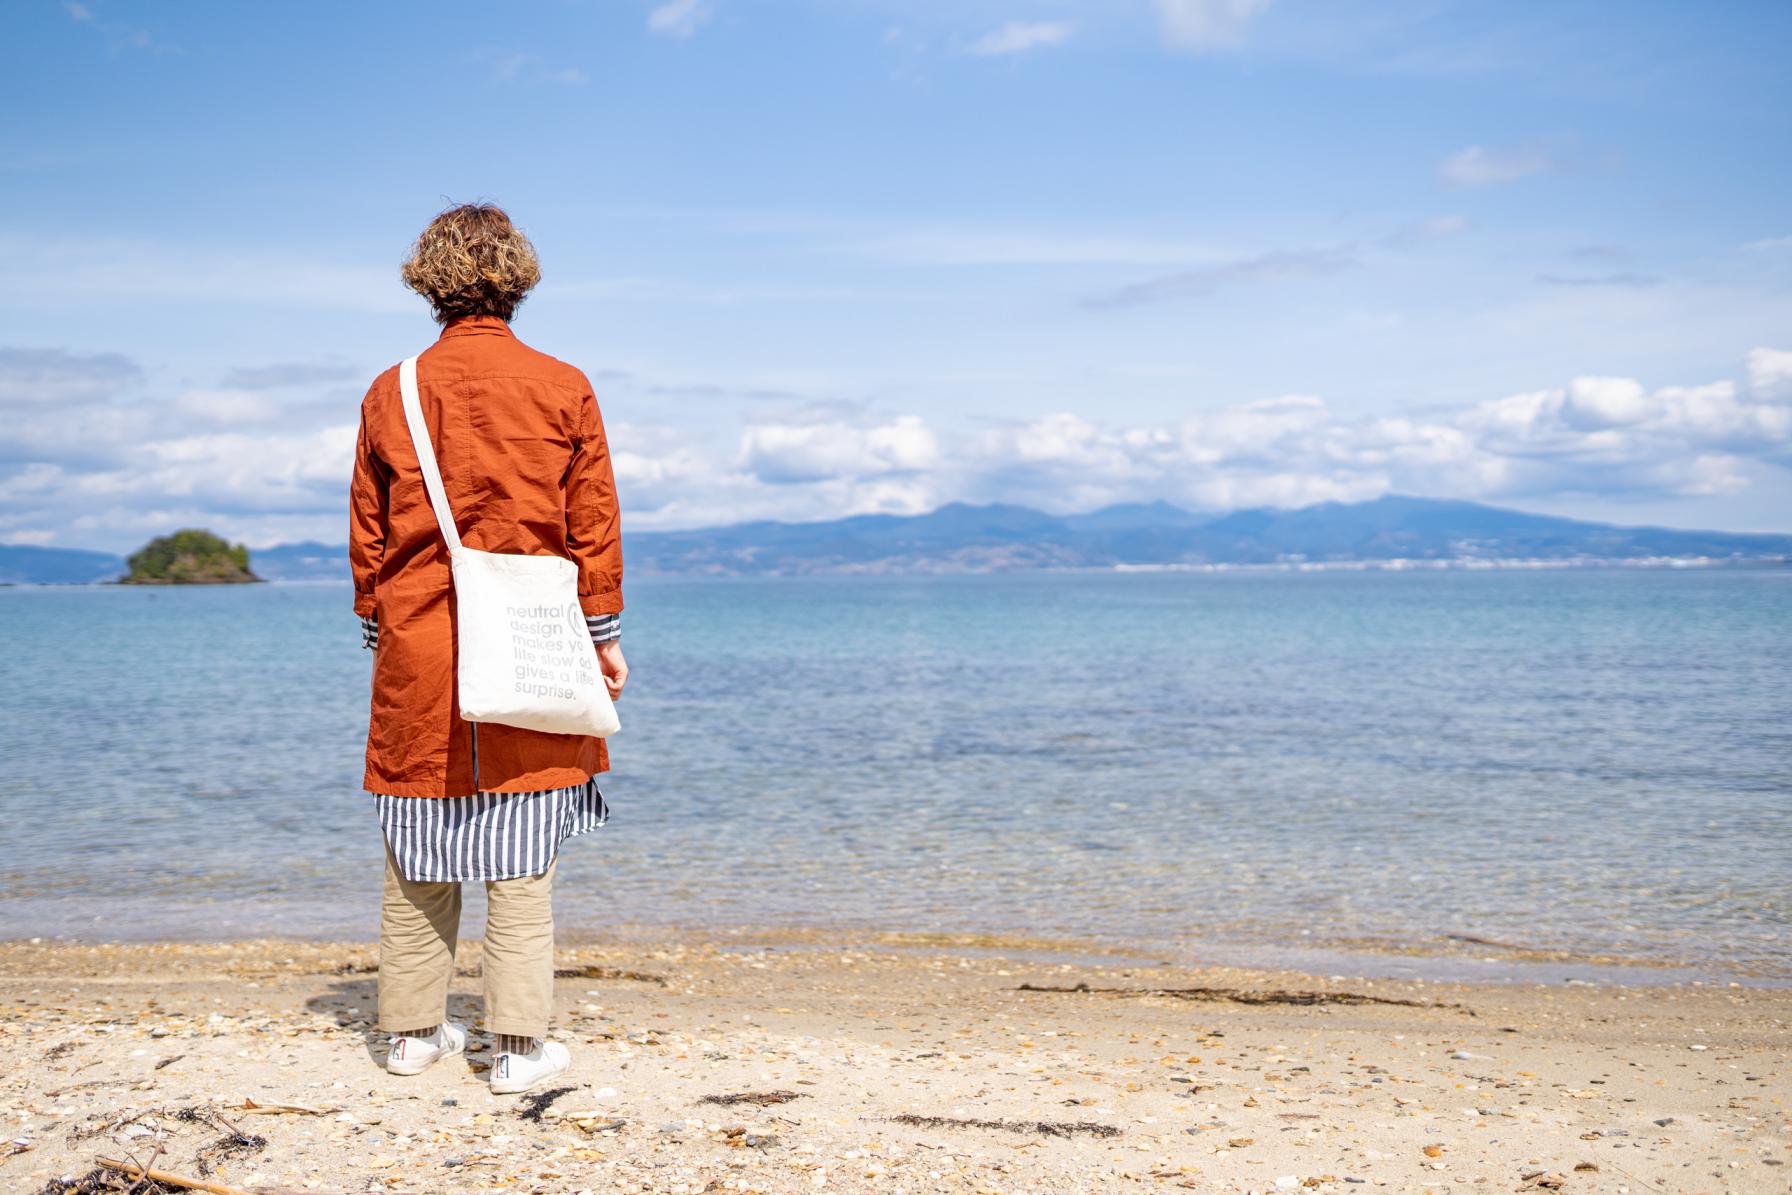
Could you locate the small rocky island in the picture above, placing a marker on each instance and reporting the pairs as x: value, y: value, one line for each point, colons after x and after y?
x: 189, y: 558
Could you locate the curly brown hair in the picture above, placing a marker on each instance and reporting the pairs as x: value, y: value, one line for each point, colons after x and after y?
x: 471, y: 260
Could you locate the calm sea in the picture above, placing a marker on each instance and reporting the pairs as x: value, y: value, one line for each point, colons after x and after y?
x: 1344, y: 770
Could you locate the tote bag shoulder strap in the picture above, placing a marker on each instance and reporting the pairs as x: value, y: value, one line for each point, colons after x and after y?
x: 426, y: 453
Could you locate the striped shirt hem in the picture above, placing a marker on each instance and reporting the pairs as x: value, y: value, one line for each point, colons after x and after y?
x: 486, y: 836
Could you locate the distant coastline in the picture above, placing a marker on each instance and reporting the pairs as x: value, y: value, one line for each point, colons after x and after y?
x: 1388, y: 534
x: 1463, y: 565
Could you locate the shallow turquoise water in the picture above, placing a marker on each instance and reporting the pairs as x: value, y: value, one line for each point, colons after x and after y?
x: 1257, y: 765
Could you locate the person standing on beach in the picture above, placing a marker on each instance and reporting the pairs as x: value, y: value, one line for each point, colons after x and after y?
x: 524, y: 460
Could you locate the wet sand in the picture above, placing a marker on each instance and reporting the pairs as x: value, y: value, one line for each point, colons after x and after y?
x: 890, y: 1067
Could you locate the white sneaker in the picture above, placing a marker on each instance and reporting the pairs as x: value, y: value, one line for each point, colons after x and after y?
x: 512, y: 1073
x: 414, y: 1055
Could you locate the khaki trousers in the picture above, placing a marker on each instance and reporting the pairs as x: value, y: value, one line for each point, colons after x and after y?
x: 419, y: 926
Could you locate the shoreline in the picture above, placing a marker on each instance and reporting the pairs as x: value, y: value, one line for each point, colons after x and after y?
x: 926, y: 1066
x: 1438, y: 958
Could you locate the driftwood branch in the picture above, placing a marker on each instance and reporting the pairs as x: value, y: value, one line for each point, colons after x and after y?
x: 760, y: 1098
x: 591, y: 971
x: 1045, y: 1128
x: 167, y: 1179
x: 1246, y: 996
x: 251, y: 1108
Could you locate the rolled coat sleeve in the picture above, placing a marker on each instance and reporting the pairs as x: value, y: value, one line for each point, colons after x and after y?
x: 367, y: 522
x: 593, y: 521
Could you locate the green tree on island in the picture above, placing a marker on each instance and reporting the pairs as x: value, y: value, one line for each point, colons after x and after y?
x: 189, y: 558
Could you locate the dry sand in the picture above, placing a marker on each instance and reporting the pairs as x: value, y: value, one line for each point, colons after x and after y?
x: 140, y: 1050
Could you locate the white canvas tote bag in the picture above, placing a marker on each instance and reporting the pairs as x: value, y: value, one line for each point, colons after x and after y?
x: 525, y: 656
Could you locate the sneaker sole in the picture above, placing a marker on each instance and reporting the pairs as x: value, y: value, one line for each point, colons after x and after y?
x: 512, y: 1089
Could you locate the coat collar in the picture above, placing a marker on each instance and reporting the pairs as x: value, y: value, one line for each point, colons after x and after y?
x: 475, y: 325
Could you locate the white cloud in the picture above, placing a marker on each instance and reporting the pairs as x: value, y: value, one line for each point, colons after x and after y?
x: 1594, y: 435
x: 1607, y: 436
x: 91, y: 411
x: 1603, y: 436
x: 261, y: 471
x: 678, y: 18
x: 1200, y: 25
x: 1770, y: 373
x: 1608, y: 402
x: 1481, y: 166
x: 781, y: 453
x: 263, y: 486
x: 86, y: 448
x: 1018, y: 37
x: 101, y: 470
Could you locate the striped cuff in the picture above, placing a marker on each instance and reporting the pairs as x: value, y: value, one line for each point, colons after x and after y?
x: 604, y: 628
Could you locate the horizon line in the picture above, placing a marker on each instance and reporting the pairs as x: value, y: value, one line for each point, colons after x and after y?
x: 1158, y: 502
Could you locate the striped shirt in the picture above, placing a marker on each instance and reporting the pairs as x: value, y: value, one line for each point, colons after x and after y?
x: 488, y: 836
x: 603, y: 628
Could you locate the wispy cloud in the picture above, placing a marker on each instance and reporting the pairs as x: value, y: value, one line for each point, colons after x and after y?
x: 678, y: 18
x: 32, y: 376
x: 1626, y: 281
x: 972, y: 246
x: 1203, y: 25
x: 119, y: 36
x: 1419, y: 231
x: 1484, y: 166
x: 109, y: 268
x: 1014, y: 244
x: 1275, y: 265
x: 285, y: 374
x: 1413, y: 40
x: 1018, y: 37
x: 516, y: 66
x: 1769, y: 244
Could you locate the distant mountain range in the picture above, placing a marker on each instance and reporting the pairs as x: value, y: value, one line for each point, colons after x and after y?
x: 963, y: 538
x: 22, y: 564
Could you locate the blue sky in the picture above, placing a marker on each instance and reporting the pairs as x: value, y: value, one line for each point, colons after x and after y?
x: 832, y: 256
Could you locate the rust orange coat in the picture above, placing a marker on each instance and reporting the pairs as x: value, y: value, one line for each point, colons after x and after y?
x: 521, y: 446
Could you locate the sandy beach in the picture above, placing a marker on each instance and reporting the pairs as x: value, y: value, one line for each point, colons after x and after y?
x: 889, y: 1065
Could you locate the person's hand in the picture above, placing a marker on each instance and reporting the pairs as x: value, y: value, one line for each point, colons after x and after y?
x: 614, y: 667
